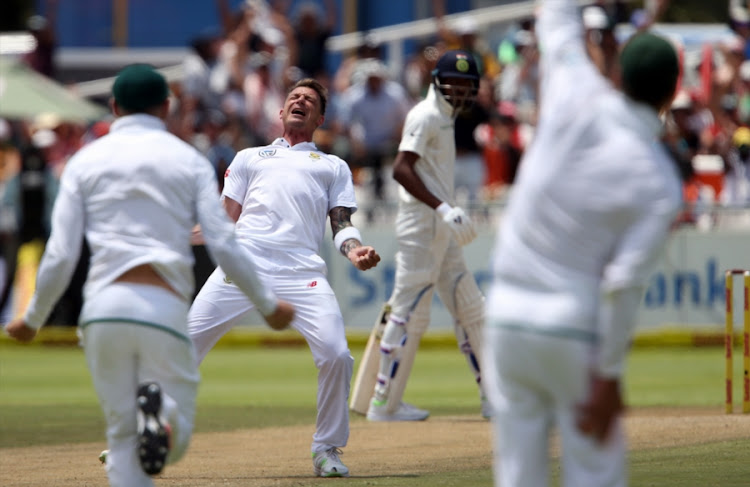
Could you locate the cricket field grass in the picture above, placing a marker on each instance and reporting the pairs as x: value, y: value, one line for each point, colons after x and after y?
x: 256, y: 415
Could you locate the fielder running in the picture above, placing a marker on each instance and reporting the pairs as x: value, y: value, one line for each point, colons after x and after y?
x: 589, y: 215
x: 136, y: 194
x: 280, y: 196
x: 430, y: 234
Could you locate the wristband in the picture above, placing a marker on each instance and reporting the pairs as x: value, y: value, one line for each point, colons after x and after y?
x: 443, y: 209
x: 344, y: 235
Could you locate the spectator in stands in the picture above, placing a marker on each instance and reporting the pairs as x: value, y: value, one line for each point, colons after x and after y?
x: 727, y: 74
x: 739, y: 21
x: 601, y: 42
x: 313, y: 27
x: 8, y: 219
x: 743, y: 94
x: 681, y: 134
x: 465, y: 35
x: 369, y: 49
x: 469, y: 167
x: 264, y: 94
x: 373, y: 113
x: 42, y: 57
x: 213, y: 141
x: 519, y: 80
x: 417, y: 75
x: 736, y: 187
x: 502, y: 150
x: 205, y: 78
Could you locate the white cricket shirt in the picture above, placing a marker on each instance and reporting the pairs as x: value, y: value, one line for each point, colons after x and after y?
x: 428, y: 132
x: 594, y: 200
x: 136, y: 194
x: 286, y: 193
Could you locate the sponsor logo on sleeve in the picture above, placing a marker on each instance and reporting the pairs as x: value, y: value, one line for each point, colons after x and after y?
x: 314, y: 156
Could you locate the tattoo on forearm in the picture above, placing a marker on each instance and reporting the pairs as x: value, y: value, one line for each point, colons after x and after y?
x: 341, y: 218
x: 348, y: 245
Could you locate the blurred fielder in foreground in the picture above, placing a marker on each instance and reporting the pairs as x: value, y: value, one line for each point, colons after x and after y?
x: 430, y: 233
x: 280, y: 196
x: 588, y: 217
x: 135, y: 195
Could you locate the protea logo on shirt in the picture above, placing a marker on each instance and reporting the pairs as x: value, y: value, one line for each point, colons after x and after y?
x: 314, y: 156
x: 267, y: 152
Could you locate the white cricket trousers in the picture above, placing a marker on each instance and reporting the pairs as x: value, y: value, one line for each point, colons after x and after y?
x: 133, y: 333
x: 535, y: 381
x: 220, y: 305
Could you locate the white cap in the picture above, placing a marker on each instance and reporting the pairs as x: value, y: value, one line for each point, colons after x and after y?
x: 734, y: 43
x: 272, y: 36
x: 594, y: 17
x: 374, y: 68
x: 5, y: 130
x: 43, y: 138
x: 738, y: 12
x: 523, y: 37
x: 47, y: 120
x: 682, y: 101
x: 745, y: 70
x: 466, y: 26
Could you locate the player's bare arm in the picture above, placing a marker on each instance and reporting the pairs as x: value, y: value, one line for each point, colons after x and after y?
x: 233, y: 208
x: 405, y: 174
x: 347, y: 240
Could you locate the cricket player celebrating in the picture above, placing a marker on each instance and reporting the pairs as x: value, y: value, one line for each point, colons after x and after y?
x: 136, y: 194
x: 430, y: 232
x: 280, y: 196
x: 588, y: 217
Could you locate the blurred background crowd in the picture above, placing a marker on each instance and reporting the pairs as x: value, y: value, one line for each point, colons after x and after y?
x: 233, y: 80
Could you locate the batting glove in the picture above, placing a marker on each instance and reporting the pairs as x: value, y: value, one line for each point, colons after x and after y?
x: 459, y: 222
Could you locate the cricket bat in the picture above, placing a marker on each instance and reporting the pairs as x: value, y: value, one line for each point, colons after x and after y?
x: 367, y: 373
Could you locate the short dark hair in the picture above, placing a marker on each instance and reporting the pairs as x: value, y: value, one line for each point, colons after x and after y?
x: 319, y: 89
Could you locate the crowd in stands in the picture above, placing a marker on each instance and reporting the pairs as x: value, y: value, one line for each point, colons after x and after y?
x: 236, y: 77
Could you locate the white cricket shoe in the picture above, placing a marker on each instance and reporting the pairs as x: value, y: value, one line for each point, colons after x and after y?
x: 405, y: 412
x: 328, y: 464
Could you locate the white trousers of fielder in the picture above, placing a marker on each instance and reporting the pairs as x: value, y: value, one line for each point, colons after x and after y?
x: 535, y: 382
x: 220, y: 305
x: 133, y: 333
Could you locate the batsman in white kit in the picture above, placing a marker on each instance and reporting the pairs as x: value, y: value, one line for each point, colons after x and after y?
x: 280, y: 196
x: 136, y: 194
x: 589, y: 215
x: 430, y: 233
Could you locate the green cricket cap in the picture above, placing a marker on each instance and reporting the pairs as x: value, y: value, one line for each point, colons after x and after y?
x: 139, y: 87
x: 650, y: 69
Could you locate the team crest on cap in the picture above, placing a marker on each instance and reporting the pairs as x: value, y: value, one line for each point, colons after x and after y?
x: 462, y: 62
x: 314, y: 156
x: 267, y: 152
